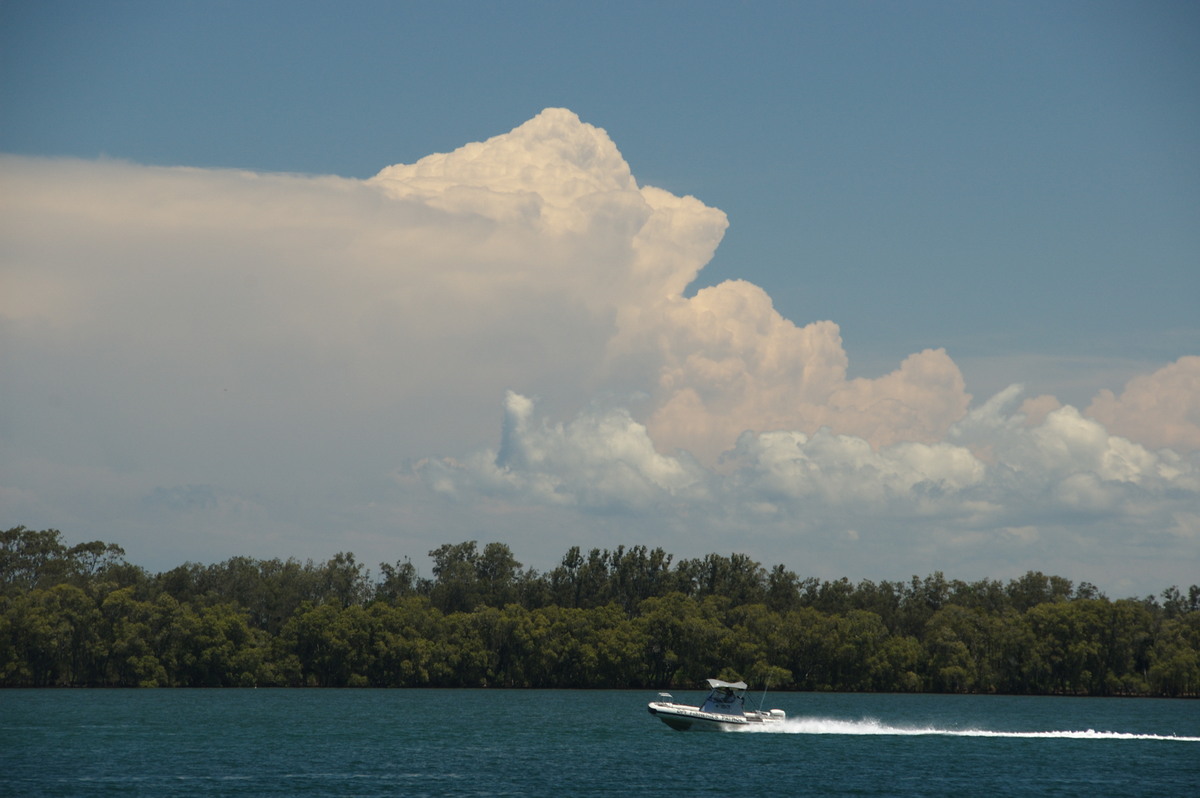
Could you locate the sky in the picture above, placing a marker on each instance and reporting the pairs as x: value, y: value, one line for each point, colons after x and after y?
x: 870, y: 290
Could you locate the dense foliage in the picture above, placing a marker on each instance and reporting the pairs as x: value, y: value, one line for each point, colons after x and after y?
x: 82, y: 615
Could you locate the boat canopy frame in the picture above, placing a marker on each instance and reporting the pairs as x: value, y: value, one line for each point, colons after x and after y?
x: 717, y: 684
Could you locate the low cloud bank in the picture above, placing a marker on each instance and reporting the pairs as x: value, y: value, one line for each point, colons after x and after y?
x: 993, y: 471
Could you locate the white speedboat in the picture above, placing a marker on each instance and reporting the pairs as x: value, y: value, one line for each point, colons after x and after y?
x: 723, y: 710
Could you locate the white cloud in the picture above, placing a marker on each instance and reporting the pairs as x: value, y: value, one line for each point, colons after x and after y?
x: 727, y: 362
x: 602, y: 461
x: 1062, y: 495
x: 285, y: 341
x: 1065, y: 465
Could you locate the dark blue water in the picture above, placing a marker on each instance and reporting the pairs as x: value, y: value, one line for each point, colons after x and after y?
x: 566, y: 743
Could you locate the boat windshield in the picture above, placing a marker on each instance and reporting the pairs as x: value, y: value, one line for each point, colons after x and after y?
x: 725, y: 699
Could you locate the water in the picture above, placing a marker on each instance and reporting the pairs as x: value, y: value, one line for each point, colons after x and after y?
x: 568, y: 743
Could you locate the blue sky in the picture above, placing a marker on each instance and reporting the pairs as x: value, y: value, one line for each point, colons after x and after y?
x: 1015, y: 183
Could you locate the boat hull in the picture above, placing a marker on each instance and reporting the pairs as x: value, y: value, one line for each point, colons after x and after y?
x: 682, y: 717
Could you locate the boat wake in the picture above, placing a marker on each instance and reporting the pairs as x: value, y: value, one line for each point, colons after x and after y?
x: 868, y: 726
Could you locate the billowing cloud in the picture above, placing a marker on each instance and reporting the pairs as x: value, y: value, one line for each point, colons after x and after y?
x: 1062, y: 491
x: 201, y: 361
x: 730, y: 362
x: 1159, y: 409
x: 603, y: 461
x: 992, y: 469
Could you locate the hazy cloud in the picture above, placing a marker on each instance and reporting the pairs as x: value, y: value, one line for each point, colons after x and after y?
x: 250, y: 358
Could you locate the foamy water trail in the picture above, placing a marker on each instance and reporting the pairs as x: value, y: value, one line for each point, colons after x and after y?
x: 869, y: 726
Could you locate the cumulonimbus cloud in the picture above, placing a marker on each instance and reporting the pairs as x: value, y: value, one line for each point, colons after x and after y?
x: 290, y: 338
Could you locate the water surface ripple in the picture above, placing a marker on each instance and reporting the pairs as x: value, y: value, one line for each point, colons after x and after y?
x: 583, y: 743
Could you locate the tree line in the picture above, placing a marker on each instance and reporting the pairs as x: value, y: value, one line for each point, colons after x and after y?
x: 627, y: 618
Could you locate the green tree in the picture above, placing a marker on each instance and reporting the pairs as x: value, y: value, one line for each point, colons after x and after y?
x: 802, y: 644
x: 332, y: 644
x: 403, y: 647
x: 1036, y: 588
x: 30, y: 559
x: 345, y: 581
x: 681, y: 640
x: 496, y: 573
x: 456, y: 587
x: 894, y: 666
x: 398, y: 581
x: 1174, y: 658
x: 131, y: 660
x: 857, y: 640
x: 950, y: 635
x: 736, y: 577
x: 783, y: 589
x: 639, y: 573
